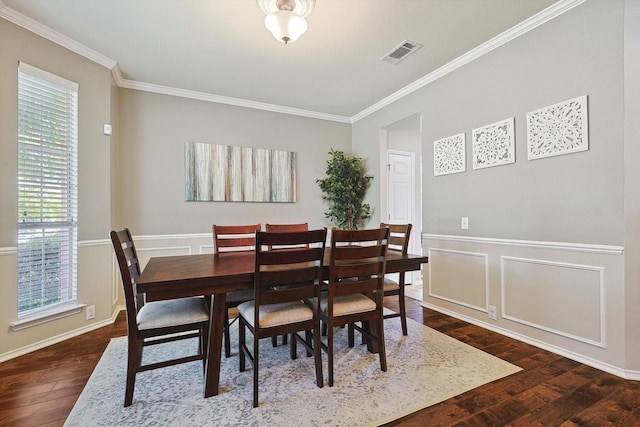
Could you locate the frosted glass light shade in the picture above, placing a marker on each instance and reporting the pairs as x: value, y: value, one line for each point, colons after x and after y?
x: 286, y: 26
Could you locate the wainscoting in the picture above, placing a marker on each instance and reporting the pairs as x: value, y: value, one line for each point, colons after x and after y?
x: 563, y: 297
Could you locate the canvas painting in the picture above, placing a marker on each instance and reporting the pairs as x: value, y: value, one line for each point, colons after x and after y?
x: 222, y: 173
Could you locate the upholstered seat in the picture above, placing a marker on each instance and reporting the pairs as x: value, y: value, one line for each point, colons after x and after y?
x: 276, y: 314
x: 288, y: 271
x: 234, y: 238
x: 154, y: 323
x: 356, y: 274
x: 280, y: 228
x: 164, y: 314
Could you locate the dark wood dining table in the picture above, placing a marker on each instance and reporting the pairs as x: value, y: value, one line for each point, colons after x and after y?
x: 195, y: 275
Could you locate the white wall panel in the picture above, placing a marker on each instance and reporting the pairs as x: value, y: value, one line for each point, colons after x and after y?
x: 459, y: 277
x: 562, y: 298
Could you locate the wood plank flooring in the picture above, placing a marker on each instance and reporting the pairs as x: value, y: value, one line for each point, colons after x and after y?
x: 40, y: 388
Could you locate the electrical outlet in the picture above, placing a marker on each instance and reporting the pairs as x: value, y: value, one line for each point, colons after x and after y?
x: 493, y: 315
x: 90, y: 312
x: 464, y: 223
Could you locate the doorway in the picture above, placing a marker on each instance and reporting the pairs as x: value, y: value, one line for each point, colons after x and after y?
x: 401, y: 184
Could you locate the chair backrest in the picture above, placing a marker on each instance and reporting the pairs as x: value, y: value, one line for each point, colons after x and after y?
x: 280, y: 228
x: 398, y: 236
x: 234, y: 238
x: 287, y: 227
x: 357, y: 262
x: 129, y: 264
x: 288, y: 273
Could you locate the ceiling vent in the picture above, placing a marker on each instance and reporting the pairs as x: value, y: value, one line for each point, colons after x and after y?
x: 400, y: 52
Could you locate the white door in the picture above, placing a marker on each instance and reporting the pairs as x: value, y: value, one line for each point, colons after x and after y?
x: 400, y: 183
x: 401, y: 198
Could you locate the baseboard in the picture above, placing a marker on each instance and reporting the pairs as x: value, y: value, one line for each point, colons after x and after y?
x: 614, y: 370
x: 59, y: 338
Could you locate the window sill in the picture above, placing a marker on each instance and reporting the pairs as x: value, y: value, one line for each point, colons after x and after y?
x: 46, y: 316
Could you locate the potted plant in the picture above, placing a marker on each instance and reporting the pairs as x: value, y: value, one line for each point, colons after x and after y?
x: 344, y: 189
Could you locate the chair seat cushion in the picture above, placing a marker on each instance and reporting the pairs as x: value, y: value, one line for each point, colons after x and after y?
x: 347, y: 304
x: 390, y: 285
x: 276, y: 314
x: 182, y: 311
x: 239, y: 296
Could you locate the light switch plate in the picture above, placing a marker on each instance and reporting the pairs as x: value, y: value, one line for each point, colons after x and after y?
x: 464, y: 223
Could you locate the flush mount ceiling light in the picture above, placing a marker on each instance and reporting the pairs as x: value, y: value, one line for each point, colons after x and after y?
x: 285, y: 18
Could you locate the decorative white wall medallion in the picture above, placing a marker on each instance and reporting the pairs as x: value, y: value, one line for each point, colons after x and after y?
x: 494, y: 144
x: 449, y: 155
x: 558, y: 129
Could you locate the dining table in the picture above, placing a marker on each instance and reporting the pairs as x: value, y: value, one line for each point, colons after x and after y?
x: 170, y: 277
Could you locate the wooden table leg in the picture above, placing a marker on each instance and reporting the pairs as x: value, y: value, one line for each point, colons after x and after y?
x: 216, y: 325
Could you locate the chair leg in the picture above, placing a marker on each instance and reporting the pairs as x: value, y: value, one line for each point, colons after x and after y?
x: 227, y: 339
x: 204, y: 330
x: 403, y: 310
x: 241, y: 344
x: 134, y: 357
x: 330, y: 354
x: 293, y: 348
x: 274, y: 341
x: 351, y: 335
x: 382, y: 352
x: 317, y: 350
x: 256, y: 362
x: 308, y: 336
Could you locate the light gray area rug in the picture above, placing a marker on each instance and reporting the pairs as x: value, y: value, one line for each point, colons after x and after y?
x: 424, y: 368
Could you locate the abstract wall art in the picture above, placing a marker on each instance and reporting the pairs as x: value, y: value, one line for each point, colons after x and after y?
x: 449, y: 155
x: 558, y: 129
x: 494, y: 144
x: 239, y: 174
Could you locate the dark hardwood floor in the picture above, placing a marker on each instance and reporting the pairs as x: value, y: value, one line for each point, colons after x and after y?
x: 40, y: 388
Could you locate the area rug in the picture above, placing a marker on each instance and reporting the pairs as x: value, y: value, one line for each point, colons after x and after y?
x: 424, y: 368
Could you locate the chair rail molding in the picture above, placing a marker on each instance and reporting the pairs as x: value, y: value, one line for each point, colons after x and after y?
x: 564, y: 246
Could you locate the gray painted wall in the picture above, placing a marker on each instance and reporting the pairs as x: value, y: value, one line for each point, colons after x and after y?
x: 153, y: 130
x: 581, y: 199
x: 94, y: 193
x: 570, y: 198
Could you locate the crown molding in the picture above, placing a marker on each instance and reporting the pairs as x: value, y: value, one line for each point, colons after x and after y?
x: 525, y: 26
x: 202, y: 96
x: 54, y: 36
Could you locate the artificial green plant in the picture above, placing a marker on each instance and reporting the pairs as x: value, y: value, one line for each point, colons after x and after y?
x: 344, y: 189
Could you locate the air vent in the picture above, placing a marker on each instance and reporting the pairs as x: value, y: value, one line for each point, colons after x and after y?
x: 400, y: 52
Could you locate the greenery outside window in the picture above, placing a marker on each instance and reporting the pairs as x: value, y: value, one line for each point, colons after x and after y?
x: 47, y: 190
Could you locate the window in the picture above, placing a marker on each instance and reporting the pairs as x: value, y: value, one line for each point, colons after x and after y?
x: 47, y: 190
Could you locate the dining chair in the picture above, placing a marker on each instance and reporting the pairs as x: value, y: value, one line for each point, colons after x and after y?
x: 356, y: 275
x: 279, y: 228
x: 157, y: 322
x: 283, y: 280
x: 398, y: 242
x: 234, y: 238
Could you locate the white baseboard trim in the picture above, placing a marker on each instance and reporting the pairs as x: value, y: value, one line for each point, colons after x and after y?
x: 59, y: 338
x: 564, y: 246
x: 614, y: 370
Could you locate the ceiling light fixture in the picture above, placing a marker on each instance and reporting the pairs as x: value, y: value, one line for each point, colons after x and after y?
x: 285, y: 18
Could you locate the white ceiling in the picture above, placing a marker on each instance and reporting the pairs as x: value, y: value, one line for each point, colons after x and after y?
x: 221, y: 48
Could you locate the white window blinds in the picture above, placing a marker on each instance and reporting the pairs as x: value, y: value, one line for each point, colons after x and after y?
x: 47, y: 189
